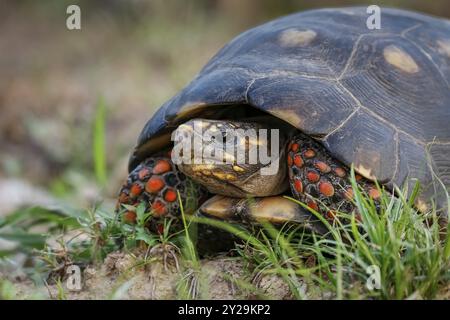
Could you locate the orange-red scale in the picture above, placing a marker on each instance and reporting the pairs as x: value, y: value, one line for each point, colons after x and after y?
x: 289, y: 160
x: 312, y: 176
x: 298, y: 161
x: 154, y: 184
x: 130, y: 216
x: 298, y: 185
x: 159, y: 208
x: 170, y: 195
x: 326, y: 188
x: 143, y: 173
x: 135, y: 190
x: 313, y: 205
x: 162, y: 166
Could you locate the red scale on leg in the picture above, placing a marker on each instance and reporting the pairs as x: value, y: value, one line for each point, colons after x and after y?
x: 298, y: 161
x: 374, y: 193
x: 129, y: 217
x: 161, y: 167
x: 158, y: 208
x: 348, y: 193
x: 170, y: 195
x: 298, y: 185
x: 154, y: 184
x: 340, y: 172
x: 322, y: 167
x: 289, y: 160
x: 312, y: 176
x: 326, y: 188
x: 313, y: 205
x: 160, y: 228
x: 331, y: 215
x: 123, y: 198
x: 310, y: 153
x: 143, y: 173
x: 135, y: 190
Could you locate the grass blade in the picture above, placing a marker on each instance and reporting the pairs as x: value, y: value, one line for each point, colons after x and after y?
x: 99, y: 144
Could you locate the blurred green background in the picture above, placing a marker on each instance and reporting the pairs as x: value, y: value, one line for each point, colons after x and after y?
x: 73, y: 102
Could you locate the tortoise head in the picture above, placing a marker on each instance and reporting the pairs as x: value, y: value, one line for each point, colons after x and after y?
x: 232, y: 158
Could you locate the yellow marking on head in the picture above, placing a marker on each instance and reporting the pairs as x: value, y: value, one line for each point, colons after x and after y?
x: 206, y: 172
x: 444, y: 47
x: 400, y: 59
x: 202, y: 167
x: 238, y: 169
x: 224, y: 176
x: 295, y: 38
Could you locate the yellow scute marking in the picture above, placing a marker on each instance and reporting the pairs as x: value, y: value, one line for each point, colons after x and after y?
x: 444, y: 47
x: 189, y: 108
x: 365, y: 172
x: 400, y: 59
x: 295, y: 38
x: 289, y: 116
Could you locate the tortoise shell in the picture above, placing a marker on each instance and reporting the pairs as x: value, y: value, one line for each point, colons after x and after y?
x: 379, y: 99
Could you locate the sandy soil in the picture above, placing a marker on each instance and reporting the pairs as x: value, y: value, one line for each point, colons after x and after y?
x: 122, y: 276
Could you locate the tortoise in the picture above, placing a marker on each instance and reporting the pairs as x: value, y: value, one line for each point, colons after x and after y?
x: 336, y: 93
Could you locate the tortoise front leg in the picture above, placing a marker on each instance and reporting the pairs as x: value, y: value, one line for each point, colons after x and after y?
x: 275, y: 209
x: 156, y: 182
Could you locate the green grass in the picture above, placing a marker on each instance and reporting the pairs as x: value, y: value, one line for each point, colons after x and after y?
x: 7, y: 290
x: 99, y: 143
x: 409, y: 248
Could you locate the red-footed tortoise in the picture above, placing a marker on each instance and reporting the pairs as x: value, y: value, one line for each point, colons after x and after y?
x: 340, y: 94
